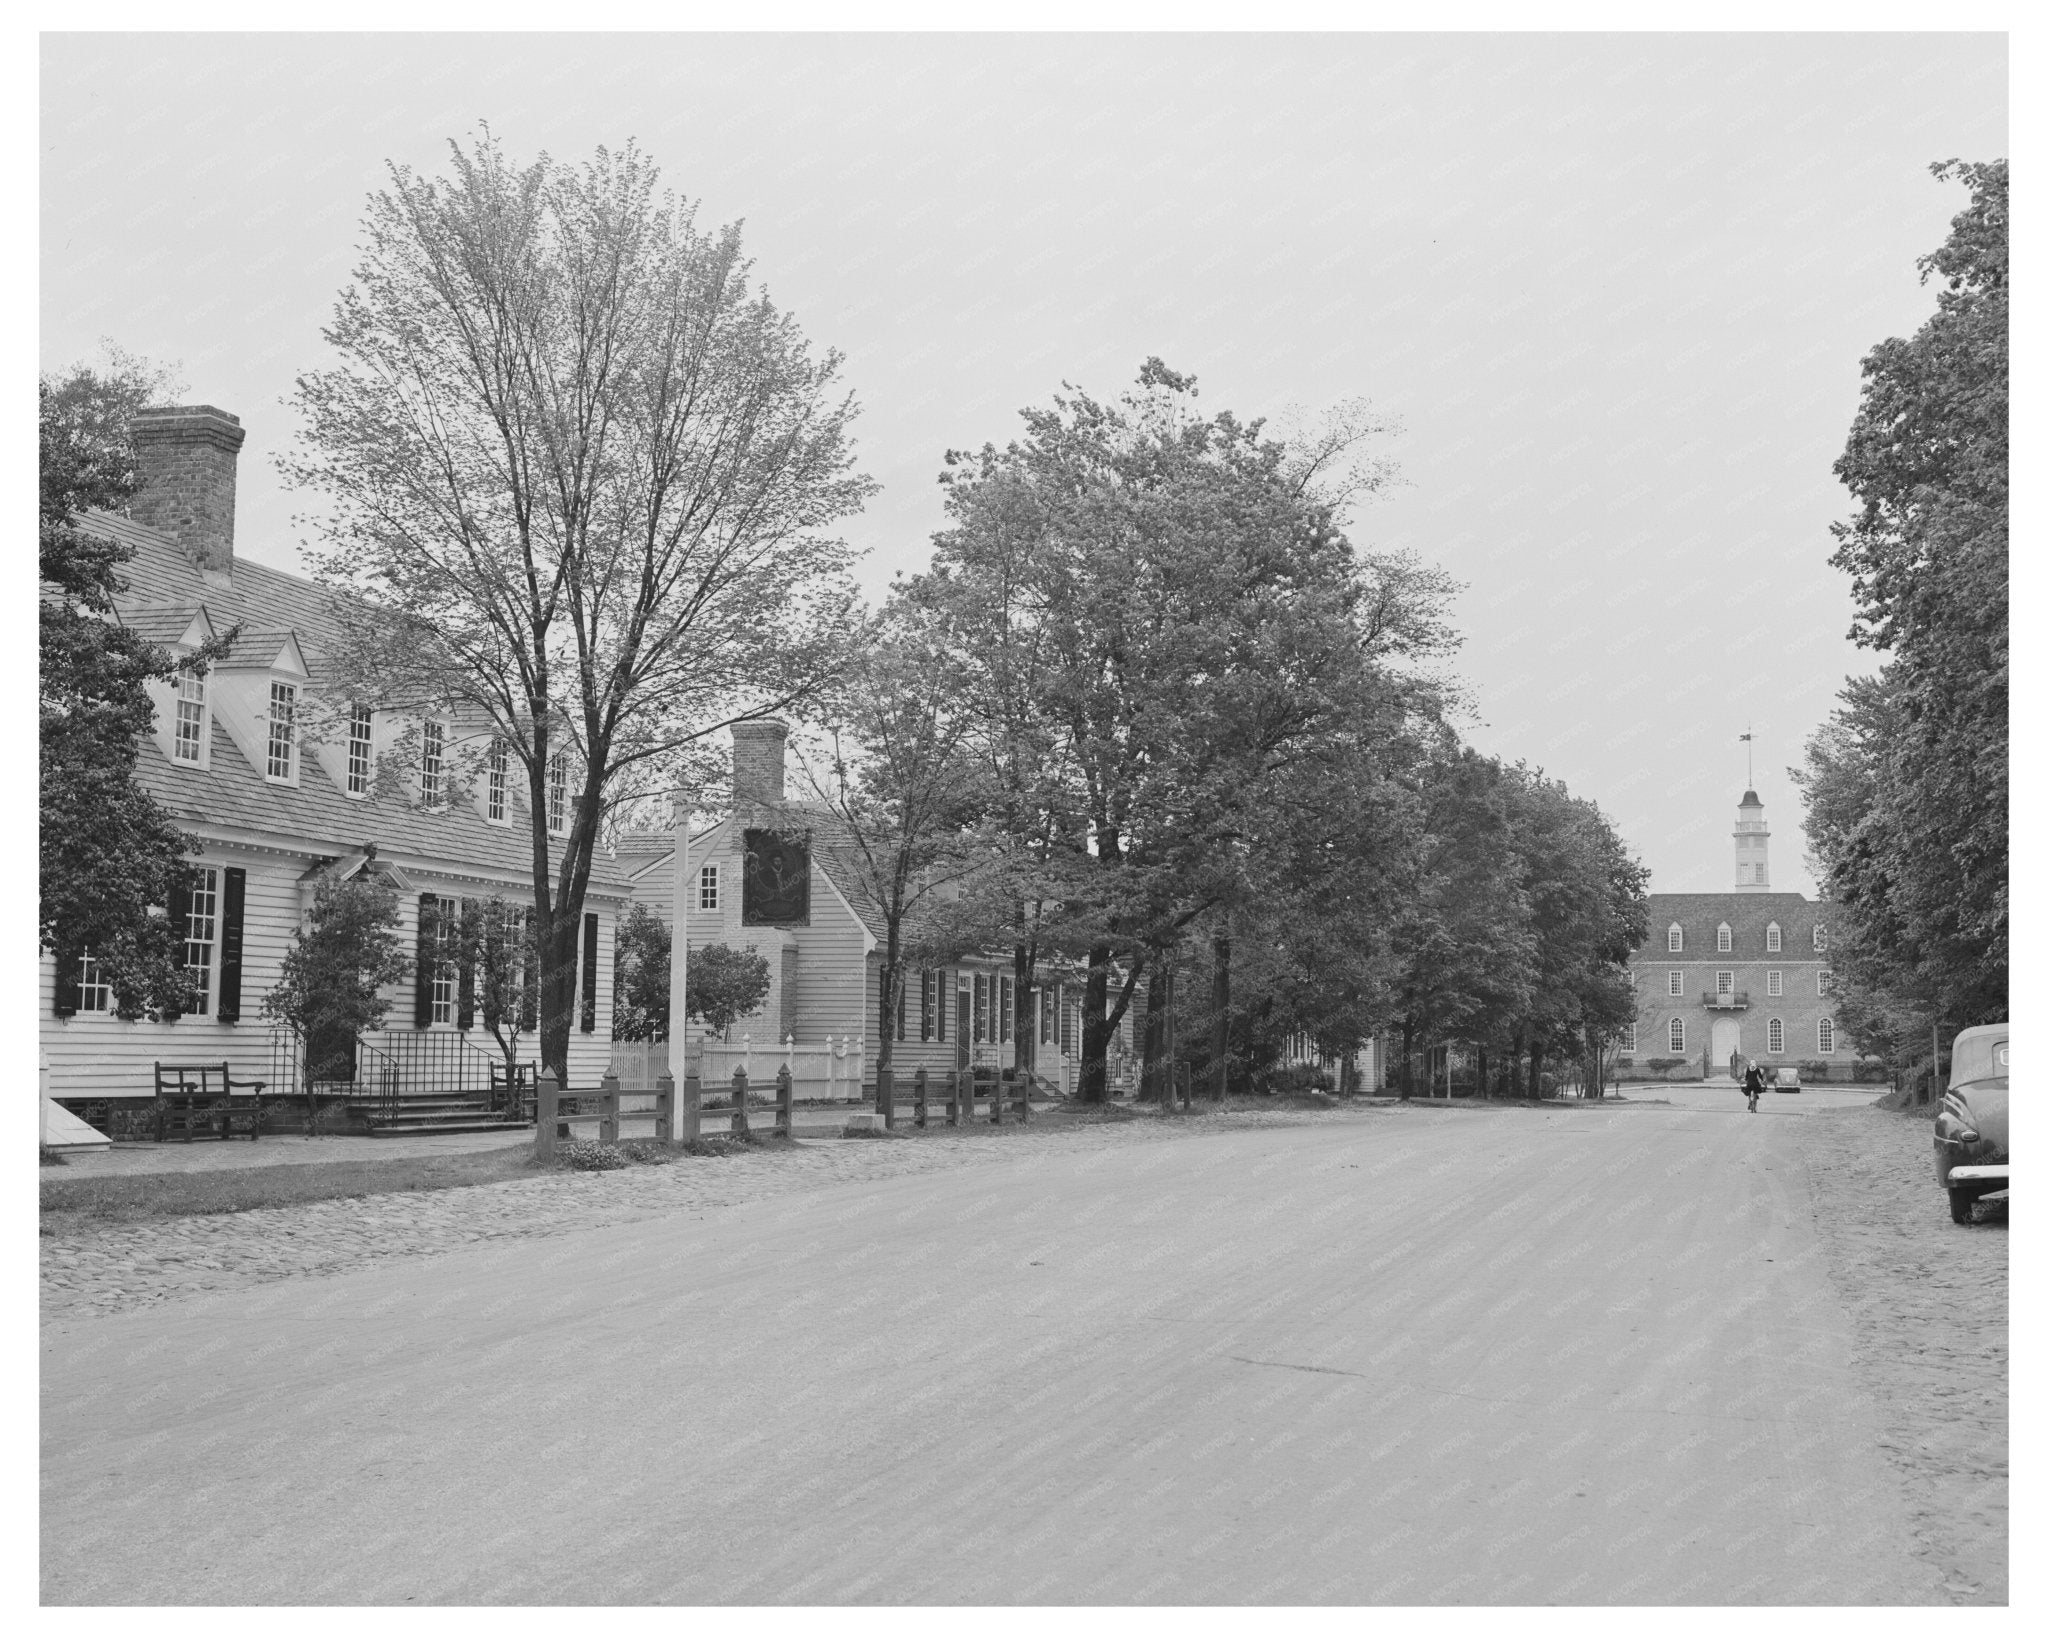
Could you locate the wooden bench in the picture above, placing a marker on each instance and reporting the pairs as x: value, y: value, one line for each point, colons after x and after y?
x: 191, y: 1098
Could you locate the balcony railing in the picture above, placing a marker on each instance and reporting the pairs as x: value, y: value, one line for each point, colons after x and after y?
x: 1725, y: 1000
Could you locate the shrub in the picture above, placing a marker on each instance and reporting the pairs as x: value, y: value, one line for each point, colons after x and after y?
x: 1659, y: 1065
x: 1625, y: 1061
x: 1812, y: 1069
x: 584, y: 1156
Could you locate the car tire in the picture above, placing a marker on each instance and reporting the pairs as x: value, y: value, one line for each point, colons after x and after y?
x: 1960, y: 1204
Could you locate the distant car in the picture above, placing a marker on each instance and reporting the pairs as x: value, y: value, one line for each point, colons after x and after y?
x: 1785, y: 1079
x: 1970, y: 1156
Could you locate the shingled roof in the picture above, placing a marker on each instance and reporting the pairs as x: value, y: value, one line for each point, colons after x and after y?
x: 164, y: 589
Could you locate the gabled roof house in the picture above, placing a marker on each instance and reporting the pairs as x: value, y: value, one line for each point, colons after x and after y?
x: 271, y: 805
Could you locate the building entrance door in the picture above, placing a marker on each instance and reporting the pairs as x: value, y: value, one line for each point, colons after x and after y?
x: 1727, y: 1042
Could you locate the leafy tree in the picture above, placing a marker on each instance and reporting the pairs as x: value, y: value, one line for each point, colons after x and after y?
x: 331, y: 986
x: 108, y: 853
x: 1165, y: 614
x: 724, y: 985
x: 899, y: 792
x: 1907, y: 788
x: 640, y: 980
x: 581, y: 481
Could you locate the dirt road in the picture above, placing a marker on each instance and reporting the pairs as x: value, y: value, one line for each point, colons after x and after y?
x: 1406, y: 1356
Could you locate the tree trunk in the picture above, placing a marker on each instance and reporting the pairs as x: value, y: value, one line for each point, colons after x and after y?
x: 1023, y: 961
x: 1535, y: 1069
x: 887, y: 982
x: 1484, y: 1089
x: 1407, y: 1059
x: 1094, y: 1087
x: 1219, y: 1002
x: 1515, y: 1066
x: 1153, y: 1070
x: 558, y: 994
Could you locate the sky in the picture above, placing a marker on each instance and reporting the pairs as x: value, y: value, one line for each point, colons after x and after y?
x: 1613, y: 289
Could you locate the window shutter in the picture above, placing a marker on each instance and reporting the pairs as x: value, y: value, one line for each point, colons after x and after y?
x: 465, y: 977
x: 423, y: 964
x: 64, y: 992
x: 942, y: 998
x: 180, y: 922
x: 234, y: 890
x: 588, y: 1020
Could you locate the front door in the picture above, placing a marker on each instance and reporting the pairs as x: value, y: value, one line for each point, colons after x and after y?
x: 1727, y: 1042
x: 963, y: 1014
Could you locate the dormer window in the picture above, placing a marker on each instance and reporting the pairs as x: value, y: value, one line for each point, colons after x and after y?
x: 558, y: 793
x: 1820, y: 936
x: 1724, y: 939
x: 1774, y: 938
x: 1674, y: 937
x: 497, y: 783
x: 433, y: 764
x: 359, y: 750
x: 282, y: 761
x: 188, y: 735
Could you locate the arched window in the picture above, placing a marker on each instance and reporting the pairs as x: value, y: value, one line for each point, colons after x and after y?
x: 1775, y: 1035
x: 1827, y: 1035
x: 1774, y: 938
x: 1724, y: 940
x: 1674, y: 937
x: 1678, y: 1035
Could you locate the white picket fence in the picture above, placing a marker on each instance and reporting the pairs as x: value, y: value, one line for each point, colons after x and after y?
x: 831, y: 1070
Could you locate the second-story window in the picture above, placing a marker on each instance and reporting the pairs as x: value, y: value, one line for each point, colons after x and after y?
x: 1826, y: 981
x: 433, y: 763
x: 1674, y: 982
x: 1774, y: 981
x: 358, y: 750
x: 558, y: 793
x: 707, y: 888
x: 189, y: 732
x: 1724, y: 983
x: 283, y: 760
x: 497, y: 780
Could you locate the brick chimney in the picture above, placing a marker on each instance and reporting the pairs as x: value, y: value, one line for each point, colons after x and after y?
x: 757, y: 749
x: 186, y: 458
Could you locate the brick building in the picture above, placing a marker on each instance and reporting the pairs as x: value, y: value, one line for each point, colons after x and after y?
x: 1742, y: 975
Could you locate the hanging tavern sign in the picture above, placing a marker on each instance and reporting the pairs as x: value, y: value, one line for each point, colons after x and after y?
x: 777, y: 885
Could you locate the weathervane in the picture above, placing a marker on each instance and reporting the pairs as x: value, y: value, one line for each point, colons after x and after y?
x: 1747, y: 737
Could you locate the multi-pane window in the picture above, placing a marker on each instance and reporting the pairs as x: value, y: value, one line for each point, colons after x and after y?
x: 282, y: 762
x: 1774, y: 982
x: 447, y: 920
x: 1674, y: 982
x: 1827, y: 1035
x: 925, y: 990
x: 358, y: 750
x: 189, y: 735
x: 1678, y: 1035
x: 94, y: 993
x: 1006, y: 1010
x: 1048, y: 1016
x: 1774, y: 938
x: 1775, y: 1036
x: 707, y: 887
x: 1724, y: 983
x: 1820, y: 936
x: 1825, y: 981
x: 201, y: 926
x: 433, y: 763
x: 1674, y: 937
x: 980, y: 1010
x: 497, y: 782
x: 558, y: 793
x: 1724, y: 939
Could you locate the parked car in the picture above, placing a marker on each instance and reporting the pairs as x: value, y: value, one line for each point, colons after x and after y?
x: 1970, y: 1157
x: 1785, y: 1079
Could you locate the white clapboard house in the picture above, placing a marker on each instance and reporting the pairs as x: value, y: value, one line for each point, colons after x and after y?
x: 270, y: 807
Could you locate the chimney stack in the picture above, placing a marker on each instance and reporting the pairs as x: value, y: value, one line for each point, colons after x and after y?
x: 757, y: 751
x: 186, y: 459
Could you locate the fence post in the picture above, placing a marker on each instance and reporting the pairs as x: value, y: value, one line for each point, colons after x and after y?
x: 693, y: 1105
x: 664, y: 1109
x: 608, y: 1109
x: 953, y: 1097
x: 831, y: 1073
x: 545, y: 1092
x: 885, y: 1097
x: 920, y: 1091
x: 1024, y: 1098
x: 739, y: 1102
x: 785, y: 1103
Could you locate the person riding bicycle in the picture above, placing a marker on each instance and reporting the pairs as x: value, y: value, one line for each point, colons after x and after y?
x: 1753, y: 1086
